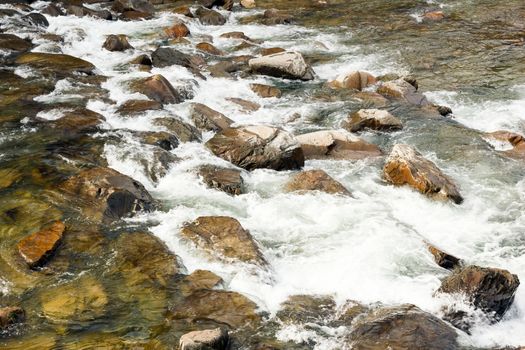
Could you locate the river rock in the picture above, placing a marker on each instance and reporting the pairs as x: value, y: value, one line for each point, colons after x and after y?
x: 265, y: 91
x: 516, y: 141
x: 489, y: 289
x: 267, y: 51
x: 248, y: 4
x: 209, y: 48
x: 209, y: 119
x: 162, y: 139
x: 117, y: 43
x: 36, y: 248
x: 434, y: 16
x: 217, y: 339
x: 81, y: 11
x: 14, y: 43
x: 401, y: 89
x: 209, y: 17
x: 184, y: 131
x: 406, y: 166
x: 132, y: 107
x: 335, y: 144
x: 260, y: 146
x: 134, y: 16
x: 158, y: 89
x: 443, y: 259
x: 36, y: 19
x: 374, y: 119
x: 401, y: 327
x: 357, y: 80
x: 274, y: 16
x: 246, y: 106
x: 235, y: 35
x: 76, y: 122
x: 82, y: 299
x: 288, y: 65
x: 226, y: 236
x: 315, y: 180
x: 166, y: 56
x: 55, y: 62
x: 144, y: 6
x: 52, y: 10
x: 199, y: 280
x: 178, y: 30
x: 143, y: 60
x: 223, y: 179
x: 107, y: 194
x: 230, y: 309
x: 11, y: 315
x: 307, y: 309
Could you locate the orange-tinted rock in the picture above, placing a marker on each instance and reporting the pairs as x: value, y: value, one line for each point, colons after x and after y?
x: 406, y: 166
x: 434, y: 16
x: 443, y: 259
x: 178, y: 30
x: 36, y: 248
x: 209, y: 48
x: 354, y: 80
x: 265, y: 91
x: 315, y: 180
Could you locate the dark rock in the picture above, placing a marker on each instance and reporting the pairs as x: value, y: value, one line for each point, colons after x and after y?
x: 443, y: 259
x: 81, y: 11
x: 11, y: 315
x: 209, y: 17
x: 143, y: 59
x: 444, y: 110
x: 164, y: 57
x: 402, y: 90
x: 223, y: 179
x: 158, y: 88
x: 184, y: 131
x: 117, y: 43
x: 144, y: 6
x: 14, y: 43
x: 37, y: 19
x: 209, y: 119
x: 36, y: 248
x: 53, y: 10
x: 55, y: 62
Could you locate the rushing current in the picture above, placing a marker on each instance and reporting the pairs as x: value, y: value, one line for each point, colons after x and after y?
x: 369, y: 247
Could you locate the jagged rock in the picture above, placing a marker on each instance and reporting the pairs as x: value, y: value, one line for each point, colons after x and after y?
x: 224, y: 235
x: 162, y: 139
x: 406, y: 166
x: 36, y: 248
x: 55, y: 62
x: 335, y: 144
x: 117, y: 43
x: 403, y: 90
x: 209, y: 48
x: 289, y: 65
x: 11, y: 315
x: 131, y: 107
x: 223, y: 179
x: 375, y: 119
x: 252, y: 147
x: 106, y: 194
x: 217, y: 339
x: 209, y: 17
x: 248, y: 4
x: 489, y: 289
x: 246, y: 106
x: 144, y: 6
x: 178, y: 30
x: 401, y: 327
x: 357, y: 80
x: 209, y: 119
x: 14, y: 43
x: 315, y: 180
x: 184, y: 131
x: 265, y: 91
x: 81, y: 11
x: 158, y: 88
x: 443, y: 259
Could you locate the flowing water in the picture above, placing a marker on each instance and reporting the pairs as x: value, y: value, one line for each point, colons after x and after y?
x: 370, y: 248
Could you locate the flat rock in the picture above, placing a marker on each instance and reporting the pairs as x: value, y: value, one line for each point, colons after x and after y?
x: 208, y: 119
x: 199, y: 280
x: 315, y: 180
x: 36, y: 248
x: 406, y: 166
x: 246, y: 106
x: 335, y: 144
x: 260, y: 146
x: 14, y: 43
x: 225, y: 236
x: 374, y: 119
x: 288, y: 65
x: 217, y: 339
x: 357, y: 80
x: 222, y: 179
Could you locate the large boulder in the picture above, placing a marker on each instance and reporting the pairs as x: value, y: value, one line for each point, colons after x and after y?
x: 226, y: 236
x: 375, y: 119
x: 260, y: 146
x: 36, y: 248
x: 315, y: 180
x: 489, y: 289
x: 406, y: 166
x: 401, y: 89
x: 223, y: 179
x: 209, y: 119
x: 158, y: 89
x: 117, y: 43
x: 55, y: 62
x: 401, y: 327
x: 216, y: 339
x: 335, y: 144
x: 356, y: 80
x: 104, y: 193
x: 288, y: 65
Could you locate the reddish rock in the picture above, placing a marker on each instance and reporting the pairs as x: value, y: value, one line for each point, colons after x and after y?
x: 178, y: 30
x: 36, y: 248
x: 434, y: 16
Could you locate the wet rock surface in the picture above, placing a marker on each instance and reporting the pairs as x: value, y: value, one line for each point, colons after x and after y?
x: 315, y: 180
x: 209, y: 119
x: 372, y: 119
x: 211, y: 338
x: 37, y: 247
x: 289, y: 65
x: 223, y: 179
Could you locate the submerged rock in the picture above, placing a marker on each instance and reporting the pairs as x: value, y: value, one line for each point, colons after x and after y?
x: 208, y: 119
x: 406, y: 166
x: 36, y: 248
x: 158, y: 88
x: 401, y: 89
x: 307, y: 309
x: 265, y: 91
x: 56, y: 62
x: 162, y: 139
x: 375, y: 119
x: 217, y: 339
x: 223, y: 179
x: 489, y: 289
x: 252, y: 147
x: 401, y: 327
x: 117, y: 43
x: 199, y: 280
x: 11, y: 315
x: 224, y: 235
x: 246, y: 106
x: 335, y: 144
x: 288, y: 65
x: 443, y: 259
x: 357, y: 80
x: 315, y: 180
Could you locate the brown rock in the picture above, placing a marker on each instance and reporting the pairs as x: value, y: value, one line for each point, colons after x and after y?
x: 131, y: 107
x: 223, y: 179
x: 271, y: 50
x: 274, y: 16
x: 142, y: 60
x: 247, y: 106
x: 265, y: 91
x: 357, y: 80
x: 209, y: 17
x: 82, y: 11
x: 14, y: 43
x: 184, y: 131
x: 315, y: 180
x: 235, y: 35
x: 183, y: 10
x: 199, y: 280
x: 403, y: 90
x: 117, y: 43
x: 306, y: 309
x: 443, y: 259
x: 516, y: 141
x: 252, y: 147
x: 36, y: 248
x: 207, y: 339
x: 375, y: 119
x: 334, y: 144
x: 405, y: 165
x: 209, y: 48
x: 226, y: 236
x: 208, y: 119
x: 121, y: 6
x: 11, y: 315
x: 55, y: 62
x: 248, y: 4
x: 134, y: 15
x: 178, y: 30
x: 434, y: 16
x: 162, y: 139
x: 159, y: 89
